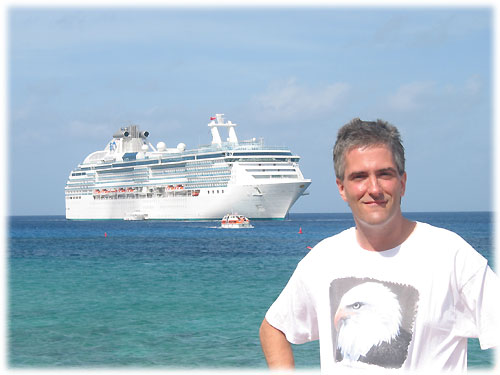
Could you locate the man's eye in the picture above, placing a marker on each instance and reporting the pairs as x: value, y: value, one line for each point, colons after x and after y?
x: 386, y: 174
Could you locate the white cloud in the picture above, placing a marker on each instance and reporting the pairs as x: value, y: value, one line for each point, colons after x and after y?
x: 425, y: 95
x: 473, y: 85
x: 410, y: 96
x: 289, y: 99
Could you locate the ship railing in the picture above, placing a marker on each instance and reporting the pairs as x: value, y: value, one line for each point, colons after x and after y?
x: 244, y: 145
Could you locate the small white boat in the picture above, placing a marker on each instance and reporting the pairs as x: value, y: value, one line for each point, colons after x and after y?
x: 136, y: 215
x: 235, y: 221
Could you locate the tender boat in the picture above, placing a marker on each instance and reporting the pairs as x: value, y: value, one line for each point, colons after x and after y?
x: 235, y: 221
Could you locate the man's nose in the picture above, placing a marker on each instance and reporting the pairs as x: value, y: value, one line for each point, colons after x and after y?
x: 374, y: 187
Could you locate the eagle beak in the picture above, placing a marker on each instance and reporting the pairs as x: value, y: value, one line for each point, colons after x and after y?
x: 340, y: 316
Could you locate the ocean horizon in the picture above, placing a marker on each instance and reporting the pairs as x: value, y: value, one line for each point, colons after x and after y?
x: 492, y: 212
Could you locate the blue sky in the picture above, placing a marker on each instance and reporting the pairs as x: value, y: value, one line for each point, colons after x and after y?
x: 290, y: 75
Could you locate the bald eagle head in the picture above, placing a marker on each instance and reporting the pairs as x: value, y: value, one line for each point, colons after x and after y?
x: 368, y: 315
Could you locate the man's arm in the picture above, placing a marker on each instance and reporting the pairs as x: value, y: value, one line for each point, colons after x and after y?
x: 276, y: 348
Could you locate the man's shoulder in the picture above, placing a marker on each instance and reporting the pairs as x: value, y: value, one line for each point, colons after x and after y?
x: 327, y: 249
x: 434, y: 233
x: 442, y: 242
x: 336, y: 242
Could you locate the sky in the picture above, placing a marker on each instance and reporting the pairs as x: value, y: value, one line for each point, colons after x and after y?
x: 291, y: 75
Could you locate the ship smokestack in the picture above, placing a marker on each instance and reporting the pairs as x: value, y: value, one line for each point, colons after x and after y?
x: 216, y: 139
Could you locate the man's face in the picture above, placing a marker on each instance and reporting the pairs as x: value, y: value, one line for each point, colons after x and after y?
x: 372, y: 185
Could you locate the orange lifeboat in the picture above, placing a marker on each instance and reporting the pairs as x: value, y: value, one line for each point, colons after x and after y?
x: 235, y: 221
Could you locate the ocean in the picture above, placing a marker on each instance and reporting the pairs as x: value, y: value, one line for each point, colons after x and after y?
x: 168, y: 294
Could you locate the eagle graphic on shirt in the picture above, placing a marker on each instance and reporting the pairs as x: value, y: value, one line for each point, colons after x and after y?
x: 372, y: 321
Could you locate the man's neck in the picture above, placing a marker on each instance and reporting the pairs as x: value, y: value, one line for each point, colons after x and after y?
x: 384, y: 236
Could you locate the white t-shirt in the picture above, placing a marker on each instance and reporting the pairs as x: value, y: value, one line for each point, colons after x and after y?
x: 412, y: 307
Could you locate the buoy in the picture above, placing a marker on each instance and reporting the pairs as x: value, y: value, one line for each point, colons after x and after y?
x: 105, y: 235
x: 309, y: 247
x: 300, y: 230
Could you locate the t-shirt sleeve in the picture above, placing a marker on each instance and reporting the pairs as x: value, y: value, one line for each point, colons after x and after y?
x: 293, y: 312
x: 484, y: 294
x: 490, y: 318
x: 480, y: 293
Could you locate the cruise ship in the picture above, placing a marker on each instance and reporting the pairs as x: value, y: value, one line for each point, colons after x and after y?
x: 132, y: 176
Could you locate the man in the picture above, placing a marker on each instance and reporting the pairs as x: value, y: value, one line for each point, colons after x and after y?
x: 390, y: 293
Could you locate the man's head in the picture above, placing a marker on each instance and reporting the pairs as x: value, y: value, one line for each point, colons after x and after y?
x: 371, y: 177
x: 359, y: 133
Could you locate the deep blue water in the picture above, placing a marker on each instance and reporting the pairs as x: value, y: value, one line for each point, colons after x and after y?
x: 167, y: 294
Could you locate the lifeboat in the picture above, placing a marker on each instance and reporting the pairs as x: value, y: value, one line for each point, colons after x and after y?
x: 235, y: 221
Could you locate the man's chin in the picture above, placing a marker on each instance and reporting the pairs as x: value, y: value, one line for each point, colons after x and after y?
x: 376, y: 220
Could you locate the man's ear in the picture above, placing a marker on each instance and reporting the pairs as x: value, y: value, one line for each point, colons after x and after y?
x: 403, y: 184
x: 340, y: 185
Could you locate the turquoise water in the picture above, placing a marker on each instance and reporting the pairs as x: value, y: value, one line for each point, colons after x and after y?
x: 167, y: 294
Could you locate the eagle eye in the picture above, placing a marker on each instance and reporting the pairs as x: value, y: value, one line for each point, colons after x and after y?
x: 356, y: 305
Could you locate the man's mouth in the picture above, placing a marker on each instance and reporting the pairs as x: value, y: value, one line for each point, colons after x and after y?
x: 375, y: 203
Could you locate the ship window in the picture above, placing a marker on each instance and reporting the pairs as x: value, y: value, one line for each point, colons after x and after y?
x: 206, y: 156
x: 129, y: 156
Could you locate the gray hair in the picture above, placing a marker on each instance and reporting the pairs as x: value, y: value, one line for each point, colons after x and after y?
x: 359, y: 133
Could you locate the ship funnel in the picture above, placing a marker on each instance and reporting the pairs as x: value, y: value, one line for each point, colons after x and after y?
x: 232, y: 134
x: 216, y: 136
x: 216, y: 139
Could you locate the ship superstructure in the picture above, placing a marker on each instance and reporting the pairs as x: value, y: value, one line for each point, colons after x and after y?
x: 130, y: 175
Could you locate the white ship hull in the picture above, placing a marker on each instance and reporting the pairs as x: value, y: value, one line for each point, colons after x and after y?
x: 264, y: 201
